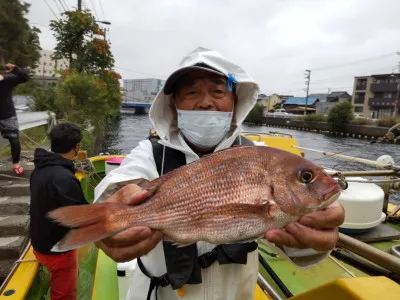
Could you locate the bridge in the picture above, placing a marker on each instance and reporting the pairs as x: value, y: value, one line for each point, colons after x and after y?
x: 135, y: 105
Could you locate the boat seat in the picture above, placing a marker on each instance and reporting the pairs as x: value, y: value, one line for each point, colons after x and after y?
x: 360, y: 288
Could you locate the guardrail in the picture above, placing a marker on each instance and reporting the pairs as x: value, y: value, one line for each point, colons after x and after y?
x: 285, y: 116
x: 32, y: 119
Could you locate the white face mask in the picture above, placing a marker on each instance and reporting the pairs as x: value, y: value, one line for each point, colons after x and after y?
x: 204, y: 129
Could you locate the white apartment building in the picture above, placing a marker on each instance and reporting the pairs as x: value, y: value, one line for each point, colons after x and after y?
x: 141, y: 90
x: 48, y: 66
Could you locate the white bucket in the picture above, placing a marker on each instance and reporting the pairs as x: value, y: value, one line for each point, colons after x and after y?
x: 363, y: 204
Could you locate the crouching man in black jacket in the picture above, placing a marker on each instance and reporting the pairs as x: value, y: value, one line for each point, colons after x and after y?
x: 53, y: 184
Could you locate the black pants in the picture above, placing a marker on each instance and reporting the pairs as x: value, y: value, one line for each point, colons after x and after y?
x: 10, y: 130
x: 15, y: 149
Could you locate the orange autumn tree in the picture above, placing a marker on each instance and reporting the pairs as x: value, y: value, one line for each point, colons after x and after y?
x: 89, y: 92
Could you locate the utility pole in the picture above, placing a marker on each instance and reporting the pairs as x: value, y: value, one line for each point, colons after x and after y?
x: 307, y: 78
x: 79, y: 4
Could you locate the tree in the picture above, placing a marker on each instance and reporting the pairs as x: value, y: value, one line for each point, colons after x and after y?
x: 340, y: 115
x: 256, y: 114
x: 19, y: 43
x: 277, y: 106
x: 76, y: 41
x: 42, y: 97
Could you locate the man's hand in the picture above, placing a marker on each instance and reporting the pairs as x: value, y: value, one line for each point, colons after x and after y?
x: 317, y: 230
x: 132, y: 242
x: 10, y: 67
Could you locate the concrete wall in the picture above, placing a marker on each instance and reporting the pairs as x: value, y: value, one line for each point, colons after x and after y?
x: 352, y: 130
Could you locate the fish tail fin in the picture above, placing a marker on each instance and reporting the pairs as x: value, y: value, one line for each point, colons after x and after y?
x: 89, y: 223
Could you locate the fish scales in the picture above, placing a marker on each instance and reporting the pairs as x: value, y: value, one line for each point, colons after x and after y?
x: 239, y: 182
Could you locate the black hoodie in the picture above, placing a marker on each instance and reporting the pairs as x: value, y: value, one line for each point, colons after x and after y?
x: 7, y: 82
x: 53, y: 184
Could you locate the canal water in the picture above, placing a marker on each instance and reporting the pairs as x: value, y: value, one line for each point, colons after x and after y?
x: 125, y: 133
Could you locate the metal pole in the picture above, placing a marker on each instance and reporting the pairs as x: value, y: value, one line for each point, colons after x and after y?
x: 267, y: 287
x: 79, y: 4
x: 308, y: 87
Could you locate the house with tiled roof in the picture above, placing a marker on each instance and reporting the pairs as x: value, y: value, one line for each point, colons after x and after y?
x: 297, y: 105
x: 331, y: 100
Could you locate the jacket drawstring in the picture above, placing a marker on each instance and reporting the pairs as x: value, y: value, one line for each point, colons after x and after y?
x: 155, y: 282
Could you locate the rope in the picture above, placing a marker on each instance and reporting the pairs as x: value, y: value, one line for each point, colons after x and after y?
x: 36, y: 143
x: 84, y: 166
x: 342, y: 266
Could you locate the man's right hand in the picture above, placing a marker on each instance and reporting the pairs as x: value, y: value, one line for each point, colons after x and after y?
x: 9, y: 68
x: 132, y: 242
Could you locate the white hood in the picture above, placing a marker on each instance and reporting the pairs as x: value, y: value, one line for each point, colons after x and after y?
x: 247, y: 91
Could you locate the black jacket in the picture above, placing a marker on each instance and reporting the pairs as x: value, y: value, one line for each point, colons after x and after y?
x: 7, y: 82
x: 53, y: 184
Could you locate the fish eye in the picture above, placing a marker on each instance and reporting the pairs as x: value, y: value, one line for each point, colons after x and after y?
x: 305, y: 176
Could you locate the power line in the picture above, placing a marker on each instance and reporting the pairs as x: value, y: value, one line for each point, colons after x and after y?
x: 94, y: 10
x: 156, y: 75
x: 355, y: 62
x: 50, y: 9
x: 63, y: 6
x: 60, y: 10
x: 66, y: 5
x: 102, y: 11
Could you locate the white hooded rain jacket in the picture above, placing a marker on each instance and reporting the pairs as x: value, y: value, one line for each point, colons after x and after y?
x: 231, y: 281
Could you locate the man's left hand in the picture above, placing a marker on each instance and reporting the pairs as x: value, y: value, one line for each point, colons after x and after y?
x: 317, y: 230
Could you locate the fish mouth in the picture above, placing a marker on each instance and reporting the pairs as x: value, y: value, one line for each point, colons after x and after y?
x: 329, y: 199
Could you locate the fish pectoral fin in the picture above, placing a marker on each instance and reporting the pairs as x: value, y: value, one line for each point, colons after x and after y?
x: 259, y: 208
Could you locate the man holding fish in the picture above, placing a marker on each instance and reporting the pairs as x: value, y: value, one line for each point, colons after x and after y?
x: 193, y: 228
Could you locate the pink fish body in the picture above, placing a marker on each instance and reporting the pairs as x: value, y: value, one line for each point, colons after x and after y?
x: 232, y: 195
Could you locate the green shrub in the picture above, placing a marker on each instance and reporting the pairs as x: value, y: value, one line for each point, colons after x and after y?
x: 340, y: 115
x: 87, y: 142
x: 388, y: 122
x: 255, y: 114
x: 313, y: 118
x: 362, y: 121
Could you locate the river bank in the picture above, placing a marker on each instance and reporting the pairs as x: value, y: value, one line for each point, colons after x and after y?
x: 355, y: 131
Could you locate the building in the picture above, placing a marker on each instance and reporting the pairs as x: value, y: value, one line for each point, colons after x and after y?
x: 141, y: 90
x: 48, y: 66
x: 261, y: 97
x: 271, y: 101
x: 377, y: 96
x: 296, y: 105
x: 321, y: 96
x: 331, y: 100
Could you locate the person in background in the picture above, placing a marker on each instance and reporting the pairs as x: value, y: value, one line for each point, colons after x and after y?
x: 9, y: 128
x: 53, y: 184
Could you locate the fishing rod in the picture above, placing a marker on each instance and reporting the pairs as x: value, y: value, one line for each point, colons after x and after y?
x: 379, y: 257
x: 363, y: 173
x: 352, y: 158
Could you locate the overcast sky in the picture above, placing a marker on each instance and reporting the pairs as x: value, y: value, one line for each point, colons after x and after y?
x: 275, y: 41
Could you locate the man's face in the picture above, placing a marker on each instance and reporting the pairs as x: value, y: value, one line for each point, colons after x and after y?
x: 202, y: 90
